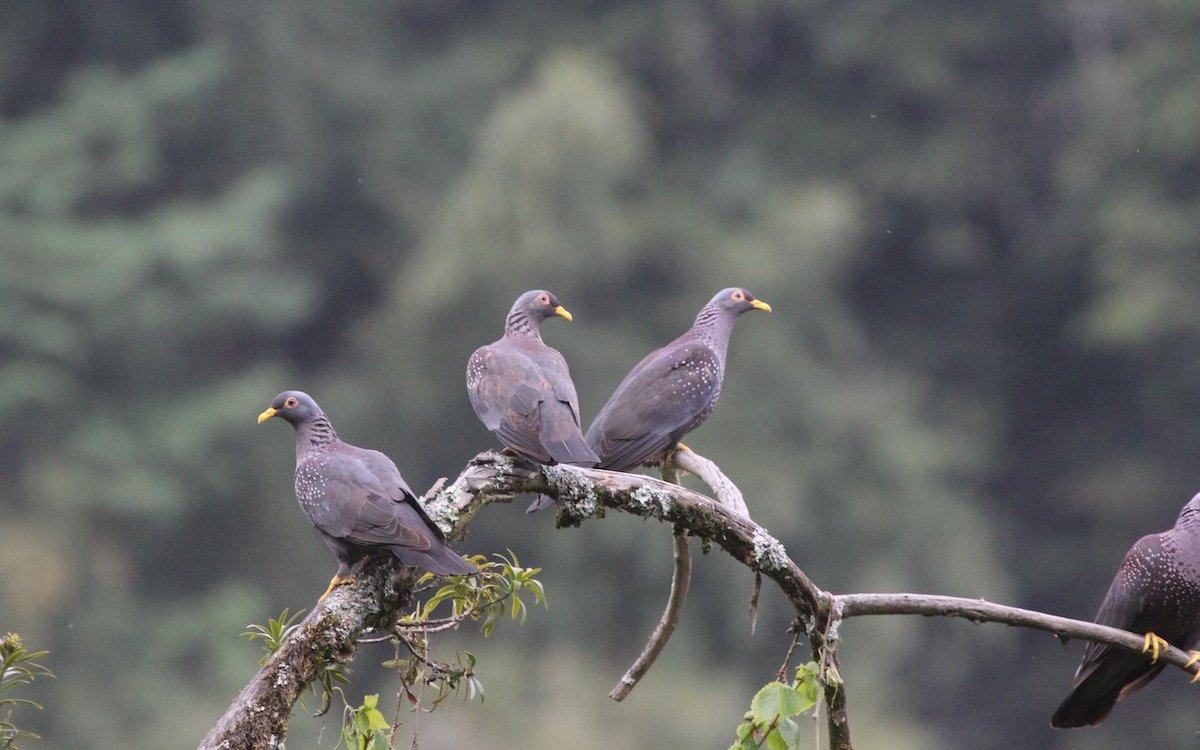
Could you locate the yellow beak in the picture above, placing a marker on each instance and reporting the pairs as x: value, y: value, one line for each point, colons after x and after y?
x: 758, y: 304
x: 560, y: 310
x: 266, y: 415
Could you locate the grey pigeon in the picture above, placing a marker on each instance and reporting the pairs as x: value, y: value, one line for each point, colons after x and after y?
x: 1156, y: 592
x: 357, y: 499
x: 671, y: 391
x: 521, y: 389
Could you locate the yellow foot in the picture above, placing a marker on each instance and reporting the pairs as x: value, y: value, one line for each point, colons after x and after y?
x: 1193, y: 658
x: 333, y: 584
x: 670, y: 459
x: 1154, y: 645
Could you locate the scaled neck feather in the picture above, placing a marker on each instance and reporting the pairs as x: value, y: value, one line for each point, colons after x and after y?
x: 713, y: 325
x: 519, y: 325
x: 1189, y: 517
x: 315, y: 436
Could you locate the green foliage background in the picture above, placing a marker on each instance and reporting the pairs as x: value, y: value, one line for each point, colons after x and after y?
x: 976, y: 223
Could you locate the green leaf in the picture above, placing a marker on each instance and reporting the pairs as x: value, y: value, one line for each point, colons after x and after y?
x: 789, y: 731
x: 775, y: 741
x: 744, y: 730
x: 776, y: 701
x: 376, y: 719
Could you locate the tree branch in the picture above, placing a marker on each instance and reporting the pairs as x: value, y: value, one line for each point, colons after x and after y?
x: 726, y: 493
x: 822, y: 639
x: 978, y: 610
x: 681, y: 579
x: 258, y: 717
x: 586, y: 493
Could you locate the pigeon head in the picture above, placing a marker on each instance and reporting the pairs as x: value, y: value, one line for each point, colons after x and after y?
x: 538, y: 304
x: 294, y: 407
x: 737, y: 301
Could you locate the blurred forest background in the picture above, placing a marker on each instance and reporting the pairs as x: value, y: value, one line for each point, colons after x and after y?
x: 976, y: 222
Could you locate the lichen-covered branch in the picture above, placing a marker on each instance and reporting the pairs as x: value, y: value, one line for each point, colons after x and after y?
x: 587, y: 493
x: 258, y: 717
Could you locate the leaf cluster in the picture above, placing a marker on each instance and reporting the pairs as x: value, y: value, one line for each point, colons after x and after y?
x: 770, y: 722
x: 18, y: 667
x: 497, y: 590
x: 365, y: 727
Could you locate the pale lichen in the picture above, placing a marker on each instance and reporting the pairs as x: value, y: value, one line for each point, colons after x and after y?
x: 574, y: 489
x: 657, y: 501
x: 443, y: 513
x: 768, y: 551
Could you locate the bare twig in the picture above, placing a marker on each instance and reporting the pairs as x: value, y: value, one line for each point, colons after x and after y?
x: 730, y: 497
x: 781, y: 675
x: 680, y: 581
x: 752, y: 610
x: 978, y: 610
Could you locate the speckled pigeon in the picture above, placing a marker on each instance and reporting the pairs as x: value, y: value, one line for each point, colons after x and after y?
x: 521, y: 389
x: 1156, y: 592
x: 672, y: 390
x: 357, y: 499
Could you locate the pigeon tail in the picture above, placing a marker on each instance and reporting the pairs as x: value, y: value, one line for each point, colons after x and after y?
x: 440, y: 560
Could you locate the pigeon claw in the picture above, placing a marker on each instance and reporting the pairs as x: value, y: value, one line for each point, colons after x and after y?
x: 1154, y: 645
x: 1193, y: 658
x: 333, y: 584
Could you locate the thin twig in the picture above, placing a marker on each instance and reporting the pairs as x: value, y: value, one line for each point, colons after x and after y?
x: 781, y: 676
x: 979, y: 610
x: 680, y: 581
x: 752, y: 610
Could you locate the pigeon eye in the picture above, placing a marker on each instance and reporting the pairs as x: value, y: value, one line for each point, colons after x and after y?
x: 291, y: 402
x: 739, y: 296
x: 543, y: 299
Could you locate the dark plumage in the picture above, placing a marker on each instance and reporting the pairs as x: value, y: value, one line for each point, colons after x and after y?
x: 521, y: 389
x: 671, y: 391
x: 1156, y: 591
x: 357, y: 499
